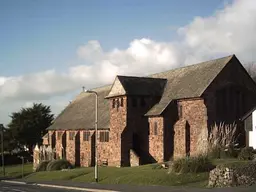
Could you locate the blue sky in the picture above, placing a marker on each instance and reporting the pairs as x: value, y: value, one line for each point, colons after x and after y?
x: 49, y: 49
x: 38, y: 35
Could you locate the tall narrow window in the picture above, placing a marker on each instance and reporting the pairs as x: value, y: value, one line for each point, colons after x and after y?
x: 86, y: 136
x: 155, y: 128
x: 117, y: 103
x: 113, y: 103
x: 59, y: 134
x: 71, y: 135
x: 180, y: 110
x: 122, y: 102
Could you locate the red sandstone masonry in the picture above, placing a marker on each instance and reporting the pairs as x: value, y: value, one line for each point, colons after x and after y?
x: 70, y: 150
x: 118, y: 122
x: 85, y: 149
x: 156, y: 142
x: 179, y: 139
x: 51, y: 135
x: 58, y: 145
x: 194, y: 120
x: 103, y: 149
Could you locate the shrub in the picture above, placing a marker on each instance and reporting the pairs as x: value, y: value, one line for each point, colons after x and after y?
x: 246, y: 154
x: 214, y: 153
x: 42, y: 166
x: 191, y: 165
x: 222, y: 142
x: 156, y: 166
x: 223, y: 135
x: 58, y: 165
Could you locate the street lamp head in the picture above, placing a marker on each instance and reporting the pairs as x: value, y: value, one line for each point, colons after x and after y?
x: 85, y: 90
x: 89, y: 91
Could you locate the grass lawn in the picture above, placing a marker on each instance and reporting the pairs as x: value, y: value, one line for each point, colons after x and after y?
x: 142, y: 175
x: 15, y: 171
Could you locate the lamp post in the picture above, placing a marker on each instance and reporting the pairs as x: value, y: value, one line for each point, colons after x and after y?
x: 96, y: 133
x: 2, y: 147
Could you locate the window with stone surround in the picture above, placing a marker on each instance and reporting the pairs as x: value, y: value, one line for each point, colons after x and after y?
x: 113, y: 103
x: 86, y: 136
x: 104, y: 136
x: 155, y: 128
x: 71, y: 135
x: 59, y: 134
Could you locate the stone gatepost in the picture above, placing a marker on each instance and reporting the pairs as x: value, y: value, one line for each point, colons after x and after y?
x: 36, y: 157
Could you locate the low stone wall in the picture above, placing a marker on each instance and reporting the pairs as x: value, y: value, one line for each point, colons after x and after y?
x: 230, y: 176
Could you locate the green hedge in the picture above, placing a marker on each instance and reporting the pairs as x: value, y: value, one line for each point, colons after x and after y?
x: 42, y: 166
x: 221, y: 153
x: 191, y: 165
x: 59, y: 165
x: 246, y: 153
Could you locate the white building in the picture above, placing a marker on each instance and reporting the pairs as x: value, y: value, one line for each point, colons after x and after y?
x: 250, y: 126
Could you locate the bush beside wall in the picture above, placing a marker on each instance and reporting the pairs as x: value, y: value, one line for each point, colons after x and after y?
x: 59, y: 165
x: 191, y: 165
x: 42, y: 166
x: 246, y: 153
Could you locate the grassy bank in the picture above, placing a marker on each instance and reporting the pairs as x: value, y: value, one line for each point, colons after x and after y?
x: 143, y: 175
x: 15, y: 171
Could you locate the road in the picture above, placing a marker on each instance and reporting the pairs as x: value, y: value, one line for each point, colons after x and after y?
x: 10, y: 187
x: 13, y: 187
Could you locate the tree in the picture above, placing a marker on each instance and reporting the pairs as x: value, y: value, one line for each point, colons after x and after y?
x: 28, y: 125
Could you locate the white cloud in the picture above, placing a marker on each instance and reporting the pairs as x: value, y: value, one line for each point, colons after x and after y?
x: 230, y: 30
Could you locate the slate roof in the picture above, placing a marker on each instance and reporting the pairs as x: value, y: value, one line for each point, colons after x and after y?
x: 146, y: 86
x: 80, y: 114
x: 185, y: 82
x: 46, y: 136
x: 188, y: 82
